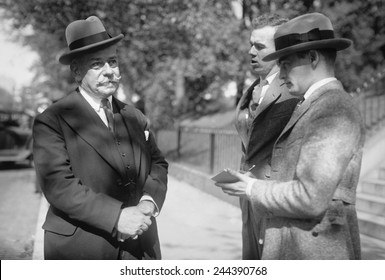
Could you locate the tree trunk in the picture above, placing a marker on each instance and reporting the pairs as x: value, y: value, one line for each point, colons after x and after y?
x: 180, y: 90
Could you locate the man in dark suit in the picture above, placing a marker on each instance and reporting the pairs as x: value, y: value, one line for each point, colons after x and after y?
x: 308, y: 205
x: 261, y: 115
x: 96, y: 160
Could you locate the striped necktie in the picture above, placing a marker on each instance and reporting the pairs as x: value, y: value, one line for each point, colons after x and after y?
x: 257, y: 92
x: 106, y: 105
x: 300, y: 102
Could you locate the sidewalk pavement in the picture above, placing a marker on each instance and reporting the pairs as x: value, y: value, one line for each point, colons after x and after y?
x: 194, y: 225
x: 191, y: 225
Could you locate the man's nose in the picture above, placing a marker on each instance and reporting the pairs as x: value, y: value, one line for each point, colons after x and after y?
x: 253, y: 51
x: 107, y: 69
x: 282, y: 74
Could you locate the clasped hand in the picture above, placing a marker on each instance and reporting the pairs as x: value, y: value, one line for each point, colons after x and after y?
x: 134, y: 220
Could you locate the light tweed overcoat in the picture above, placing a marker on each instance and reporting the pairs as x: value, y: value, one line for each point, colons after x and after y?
x: 309, y: 203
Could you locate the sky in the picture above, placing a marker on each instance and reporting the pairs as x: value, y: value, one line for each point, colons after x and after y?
x: 15, y: 59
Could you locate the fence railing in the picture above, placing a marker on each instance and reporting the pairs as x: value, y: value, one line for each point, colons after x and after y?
x: 208, y: 150
x: 211, y: 150
x: 373, y: 112
x: 371, y: 101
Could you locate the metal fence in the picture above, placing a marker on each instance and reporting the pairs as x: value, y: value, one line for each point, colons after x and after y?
x: 371, y: 101
x: 208, y: 150
x: 212, y: 150
x: 373, y: 111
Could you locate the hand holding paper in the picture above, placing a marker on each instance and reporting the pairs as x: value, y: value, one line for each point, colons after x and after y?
x: 232, y: 182
x: 225, y: 177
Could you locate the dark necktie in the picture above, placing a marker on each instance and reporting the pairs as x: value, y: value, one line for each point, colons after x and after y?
x: 106, y: 105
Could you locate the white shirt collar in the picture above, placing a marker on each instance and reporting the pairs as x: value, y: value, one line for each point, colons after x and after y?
x: 272, y: 74
x: 92, y: 100
x: 268, y: 79
x: 317, y: 85
x: 271, y: 77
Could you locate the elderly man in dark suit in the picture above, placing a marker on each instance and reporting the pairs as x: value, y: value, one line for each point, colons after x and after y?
x: 96, y: 160
x: 262, y: 113
x: 308, y: 205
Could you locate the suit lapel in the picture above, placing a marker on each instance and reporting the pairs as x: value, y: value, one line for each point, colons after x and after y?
x: 243, y: 105
x: 246, y: 97
x: 88, y: 125
x: 273, y: 92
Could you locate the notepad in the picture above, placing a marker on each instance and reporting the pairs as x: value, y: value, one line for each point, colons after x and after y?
x: 224, y: 177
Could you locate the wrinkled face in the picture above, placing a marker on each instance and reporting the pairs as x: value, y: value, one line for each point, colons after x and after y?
x: 262, y: 44
x: 296, y: 71
x: 99, y: 72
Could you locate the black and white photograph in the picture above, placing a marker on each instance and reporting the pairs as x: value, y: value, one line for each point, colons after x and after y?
x: 216, y: 132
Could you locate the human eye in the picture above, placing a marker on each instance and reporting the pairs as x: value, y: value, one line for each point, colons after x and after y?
x: 259, y: 47
x: 284, y: 65
x: 113, y: 62
x: 97, y: 65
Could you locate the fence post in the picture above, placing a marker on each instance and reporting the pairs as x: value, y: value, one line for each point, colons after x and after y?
x: 178, y: 141
x: 212, y: 151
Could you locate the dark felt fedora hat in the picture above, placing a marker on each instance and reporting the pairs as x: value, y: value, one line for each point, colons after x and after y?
x: 84, y: 36
x: 306, y: 32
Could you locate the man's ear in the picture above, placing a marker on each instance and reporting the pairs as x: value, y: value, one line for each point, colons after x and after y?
x: 75, y: 69
x: 314, y: 57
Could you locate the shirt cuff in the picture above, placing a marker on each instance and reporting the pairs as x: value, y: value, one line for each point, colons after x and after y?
x: 249, y: 187
x: 149, y: 198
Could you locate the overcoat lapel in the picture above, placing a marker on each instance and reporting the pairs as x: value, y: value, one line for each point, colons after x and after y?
x: 297, y: 114
x: 304, y: 107
x: 87, y: 124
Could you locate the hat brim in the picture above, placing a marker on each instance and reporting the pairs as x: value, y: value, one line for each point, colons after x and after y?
x: 337, y: 44
x: 68, y: 56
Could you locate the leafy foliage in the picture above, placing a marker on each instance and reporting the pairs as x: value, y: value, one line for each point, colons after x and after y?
x: 361, y: 21
x: 184, y: 48
x: 179, y: 54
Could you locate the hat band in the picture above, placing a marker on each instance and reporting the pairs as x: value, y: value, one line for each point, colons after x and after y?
x: 89, y: 40
x: 298, y: 38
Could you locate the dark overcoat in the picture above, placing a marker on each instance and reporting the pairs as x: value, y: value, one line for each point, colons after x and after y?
x: 82, y: 175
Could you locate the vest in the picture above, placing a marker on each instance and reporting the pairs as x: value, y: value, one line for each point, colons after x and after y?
x: 124, y: 146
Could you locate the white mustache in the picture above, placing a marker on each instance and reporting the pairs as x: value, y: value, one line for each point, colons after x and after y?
x: 115, y: 79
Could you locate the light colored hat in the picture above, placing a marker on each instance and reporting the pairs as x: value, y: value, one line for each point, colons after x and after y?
x: 85, y: 35
x: 306, y: 32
